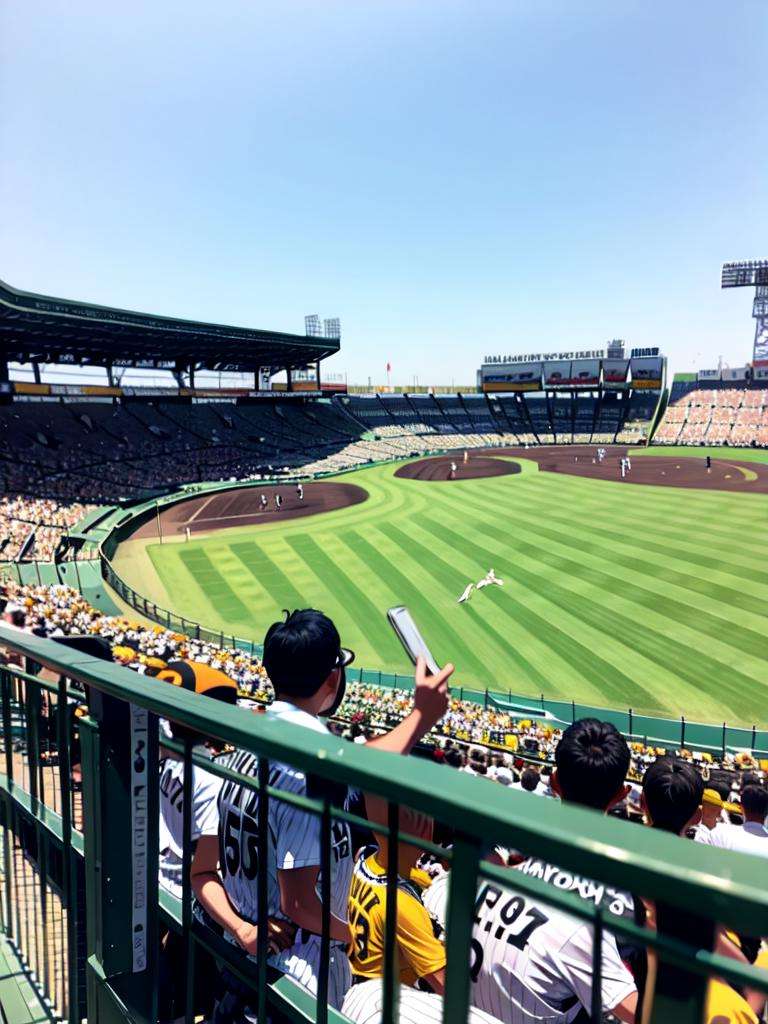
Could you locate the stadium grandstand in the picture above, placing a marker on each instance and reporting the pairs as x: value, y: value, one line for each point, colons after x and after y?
x: 167, y: 860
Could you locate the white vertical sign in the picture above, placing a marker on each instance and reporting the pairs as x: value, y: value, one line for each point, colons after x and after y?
x: 139, y: 824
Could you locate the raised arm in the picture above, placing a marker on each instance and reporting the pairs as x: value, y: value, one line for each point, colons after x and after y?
x: 430, y: 702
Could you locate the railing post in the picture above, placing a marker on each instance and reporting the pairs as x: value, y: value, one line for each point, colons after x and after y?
x: 630, y: 723
x: 754, y: 736
x: 120, y: 826
x: 724, y: 731
x: 573, y: 710
x: 682, y: 731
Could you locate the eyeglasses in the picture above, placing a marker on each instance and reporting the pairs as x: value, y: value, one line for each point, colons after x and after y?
x: 345, y: 657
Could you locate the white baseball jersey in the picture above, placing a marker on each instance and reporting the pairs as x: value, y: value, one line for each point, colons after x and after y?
x: 293, y: 842
x: 205, y: 816
x: 530, y: 962
x: 364, y: 1003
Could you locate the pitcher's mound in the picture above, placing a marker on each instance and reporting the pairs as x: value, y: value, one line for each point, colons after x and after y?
x: 439, y: 468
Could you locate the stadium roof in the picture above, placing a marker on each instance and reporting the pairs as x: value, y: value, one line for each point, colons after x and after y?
x: 43, y: 329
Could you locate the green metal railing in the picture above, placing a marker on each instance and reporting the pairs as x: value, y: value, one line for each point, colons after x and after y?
x: 80, y: 898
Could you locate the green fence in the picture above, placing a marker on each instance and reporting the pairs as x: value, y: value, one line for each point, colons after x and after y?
x: 79, y: 890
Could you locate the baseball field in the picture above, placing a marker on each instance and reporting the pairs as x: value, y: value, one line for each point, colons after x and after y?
x: 653, y: 597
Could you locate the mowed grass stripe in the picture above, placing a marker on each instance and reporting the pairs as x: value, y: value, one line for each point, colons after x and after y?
x: 717, y: 514
x: 594, y: 538
x: 740, y: 542
x: 212, y: 584
x: 453, y: 581
x: 447, y: 645
x: 583, y: 658
x: 369, y: 619
x: 267, y: 574
x: 719, y: 625
x: 665, y: 652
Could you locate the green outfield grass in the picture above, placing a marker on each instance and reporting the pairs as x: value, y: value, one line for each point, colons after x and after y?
x: 646, y: 597
x: 735, y: 454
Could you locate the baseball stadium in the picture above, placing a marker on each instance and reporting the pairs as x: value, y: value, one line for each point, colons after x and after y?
x: 582, y: 538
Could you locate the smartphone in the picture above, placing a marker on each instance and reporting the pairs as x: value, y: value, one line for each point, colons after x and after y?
x: 402, y: 622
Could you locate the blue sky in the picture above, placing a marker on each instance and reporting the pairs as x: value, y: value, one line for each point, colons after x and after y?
x: 451, y: 179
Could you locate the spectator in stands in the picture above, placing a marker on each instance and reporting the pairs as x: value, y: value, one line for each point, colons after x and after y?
x: 672, y: 794
x: 421, y: 956
x: 715, y: 808
x: 529, y: 781
x: 548, y: 975
x: 752, y: 835
x: 306, y: 663
x: 203, y: 679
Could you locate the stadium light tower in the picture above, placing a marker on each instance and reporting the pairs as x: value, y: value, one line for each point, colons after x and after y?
x: 746, y: 274
x: 332, y: 327
x: 312, y: 326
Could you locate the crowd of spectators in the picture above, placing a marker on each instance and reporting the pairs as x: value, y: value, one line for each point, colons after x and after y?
x: 471, y: 736
x: 714, y: 416
x: 45, y: 520
x: 546, y: 961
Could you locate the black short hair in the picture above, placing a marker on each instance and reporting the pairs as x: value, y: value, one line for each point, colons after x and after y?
x: 454, y: 758
x: 592, y: 761
x: 301, y: 652
x: 673, y: 790
x: 529, y: 780
x: 754, y: 800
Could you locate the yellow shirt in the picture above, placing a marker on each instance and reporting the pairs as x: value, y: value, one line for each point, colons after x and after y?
x: 419, y: 952
x: 724, y: 1005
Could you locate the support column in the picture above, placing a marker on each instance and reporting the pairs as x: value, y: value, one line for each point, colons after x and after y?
x: 36, y: 372
x: 289, y: 385
x: 317, y: 374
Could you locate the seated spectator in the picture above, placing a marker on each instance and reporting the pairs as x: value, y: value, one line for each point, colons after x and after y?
x: 530, y: 960
x: 306, y: 664
x: 421, y: 957
x: 672, y: 794
x: 752, y: 836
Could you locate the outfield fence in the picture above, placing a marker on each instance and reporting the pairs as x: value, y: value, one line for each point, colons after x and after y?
x: 81, y: 905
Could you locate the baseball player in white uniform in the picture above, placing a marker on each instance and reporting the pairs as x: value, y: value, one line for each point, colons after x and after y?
x: 364, y: 1004
x: 466, y: 593
x: 489, y: 579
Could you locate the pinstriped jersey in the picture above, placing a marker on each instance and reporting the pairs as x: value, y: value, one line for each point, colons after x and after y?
x: 530, y: 962
x: 364, y: 1003
x: 293, y: 842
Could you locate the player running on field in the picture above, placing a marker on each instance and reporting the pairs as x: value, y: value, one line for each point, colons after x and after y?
x: 529, y: 961
x: 306, y: 665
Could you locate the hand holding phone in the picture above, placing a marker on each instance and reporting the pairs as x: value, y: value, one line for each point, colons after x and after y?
x: 430, y: 696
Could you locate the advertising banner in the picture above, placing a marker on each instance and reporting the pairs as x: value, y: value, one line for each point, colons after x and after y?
x: 645, y: 368
x: 557, y: 372
x: 585, y: 372
x: 735, y: 373
x: 615, y: 371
